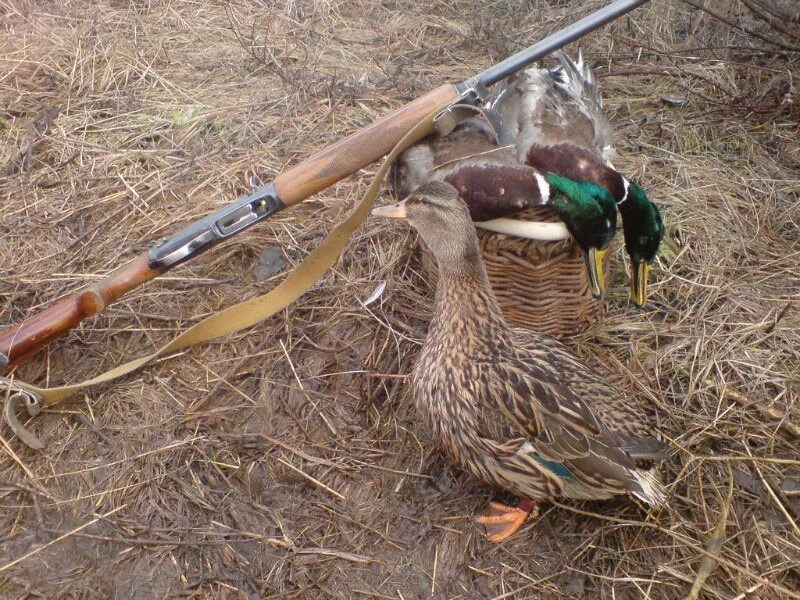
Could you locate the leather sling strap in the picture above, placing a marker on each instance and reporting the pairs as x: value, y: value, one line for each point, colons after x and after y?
x: 230, y: 320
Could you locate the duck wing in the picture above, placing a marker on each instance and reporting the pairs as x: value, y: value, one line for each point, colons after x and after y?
x: 561, y: 429
x: 471, y: 139
x: 626, y: 419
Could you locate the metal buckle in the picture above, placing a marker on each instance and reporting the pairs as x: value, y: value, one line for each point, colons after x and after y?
x: 472, y: 94
x: 16, y: 397
x: 473, y: 91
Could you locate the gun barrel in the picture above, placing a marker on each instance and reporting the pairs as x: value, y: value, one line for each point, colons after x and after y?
x: 558, y: 40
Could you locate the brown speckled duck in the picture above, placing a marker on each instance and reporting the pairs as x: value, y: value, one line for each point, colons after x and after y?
x: 514, y: 408
x: 557, y: 120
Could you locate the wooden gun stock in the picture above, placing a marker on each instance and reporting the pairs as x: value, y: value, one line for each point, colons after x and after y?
x: 20, y: 342
x: 358, y: 150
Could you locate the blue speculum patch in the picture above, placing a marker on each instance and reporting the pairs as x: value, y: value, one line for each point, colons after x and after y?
x: 555, y: 467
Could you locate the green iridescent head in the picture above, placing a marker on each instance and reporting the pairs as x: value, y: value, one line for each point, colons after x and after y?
x: 590, y: 214
x: 644, y: 230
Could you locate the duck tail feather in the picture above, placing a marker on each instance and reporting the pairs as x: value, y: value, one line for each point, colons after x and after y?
x: 589, y: 79
x: 648, y: 448
x: 577, y: 80
x: 651, y: 490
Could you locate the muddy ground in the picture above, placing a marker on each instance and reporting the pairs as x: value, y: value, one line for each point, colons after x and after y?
x: 288, y: 461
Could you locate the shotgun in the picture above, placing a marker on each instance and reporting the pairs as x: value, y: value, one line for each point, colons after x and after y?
x: 21, y: 341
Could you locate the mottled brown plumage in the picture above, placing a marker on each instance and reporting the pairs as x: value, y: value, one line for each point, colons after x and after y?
x: 514, y: 408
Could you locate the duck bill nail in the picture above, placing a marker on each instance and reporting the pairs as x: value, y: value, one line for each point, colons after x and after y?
x: 594, y: 267
x: 391, y: 211
x: 640, y: 273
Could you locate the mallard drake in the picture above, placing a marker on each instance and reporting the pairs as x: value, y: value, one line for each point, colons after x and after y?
x: 557, y: 121
x: 515, y: 408
x: 494, y: 184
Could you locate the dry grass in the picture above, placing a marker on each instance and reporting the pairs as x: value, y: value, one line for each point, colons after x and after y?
x: 288, y: 462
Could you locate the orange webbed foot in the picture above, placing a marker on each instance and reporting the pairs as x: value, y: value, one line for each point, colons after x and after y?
x: 502, y: 521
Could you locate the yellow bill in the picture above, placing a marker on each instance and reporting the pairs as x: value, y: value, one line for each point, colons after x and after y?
x: 640, y: 273
x: 391, y: 211
x: 594, y: 268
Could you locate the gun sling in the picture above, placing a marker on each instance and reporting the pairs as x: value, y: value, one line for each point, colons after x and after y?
x: 230, y: 320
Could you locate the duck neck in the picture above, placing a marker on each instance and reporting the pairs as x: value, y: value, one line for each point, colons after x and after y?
x: 623, y: 186
x: 631, y: 207
x: 466, y: 309
x: 577, y: 163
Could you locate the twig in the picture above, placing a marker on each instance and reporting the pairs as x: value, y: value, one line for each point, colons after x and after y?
x: 769, y: 19
x: 316, y: 482
x: 37, y: 131
x: 10, y: 451
x: 747, y: 30
x: 356, y: 558
x: 715, y: 543
x: 775, y: 498
x: 305, y: 393
x: 782, y: 11
x: 528, y: 586
x: 123, y: 460
x: 349, y: 556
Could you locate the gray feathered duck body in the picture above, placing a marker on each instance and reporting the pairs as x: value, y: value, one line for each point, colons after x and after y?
x: 557, y: 121
x: 514, y: 408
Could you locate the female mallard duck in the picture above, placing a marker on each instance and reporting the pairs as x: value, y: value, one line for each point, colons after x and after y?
x: 514, y: 408
x: 557, y: 120
x: 493, y: 184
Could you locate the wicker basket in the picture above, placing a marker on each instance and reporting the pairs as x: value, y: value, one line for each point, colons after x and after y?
x: 540, y: 285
